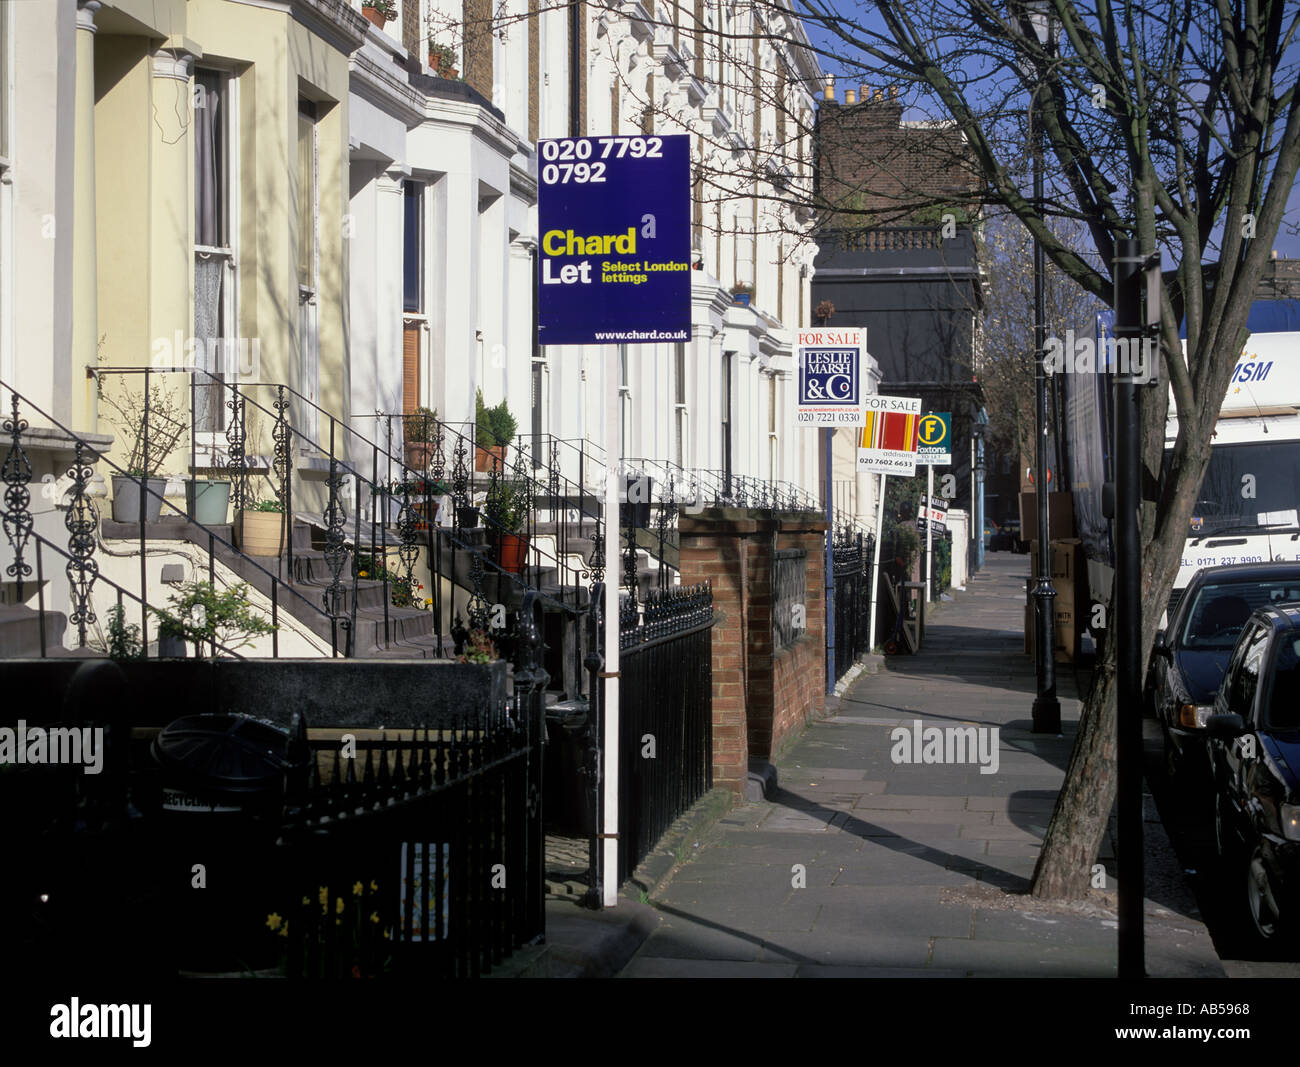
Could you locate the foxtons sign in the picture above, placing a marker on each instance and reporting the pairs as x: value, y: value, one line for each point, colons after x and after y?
x: 614, y: 262
x: 830, y: 385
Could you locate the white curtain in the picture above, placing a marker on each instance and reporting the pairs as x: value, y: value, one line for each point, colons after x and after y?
x: 208, y: 268
x: 208, y: 272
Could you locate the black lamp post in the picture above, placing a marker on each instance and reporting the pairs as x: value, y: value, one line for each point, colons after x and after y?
x: 1047, y: 708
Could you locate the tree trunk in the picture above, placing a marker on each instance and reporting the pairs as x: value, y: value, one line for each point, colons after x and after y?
x: 1084, y: 804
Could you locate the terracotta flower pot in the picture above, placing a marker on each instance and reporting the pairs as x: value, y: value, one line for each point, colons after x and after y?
x: 512, y: 552
x: 489, y: 459
x: 260, y: 533
x: 419, y: 454
x: 374, y: 15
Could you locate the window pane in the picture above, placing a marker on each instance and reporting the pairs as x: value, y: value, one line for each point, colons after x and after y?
x: 1220, y: 504
x: 306, y: 193
x: 209, y: 161
x: 413, y: 246
x: 1247, y: 676
x: 1220, y: 610
x: 1284, y: 704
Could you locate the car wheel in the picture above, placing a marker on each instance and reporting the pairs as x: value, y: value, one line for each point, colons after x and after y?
x: 1262, y: 920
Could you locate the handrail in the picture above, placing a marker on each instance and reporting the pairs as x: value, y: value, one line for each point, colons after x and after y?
x: 213, y: 537
x: 41, y: 539
x: 351, y: 467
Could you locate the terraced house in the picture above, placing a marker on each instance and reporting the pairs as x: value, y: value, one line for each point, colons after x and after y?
x: 272, y: 402
x: 309, y: 219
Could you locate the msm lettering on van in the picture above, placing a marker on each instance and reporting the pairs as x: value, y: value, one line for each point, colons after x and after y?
x: 1251, y: 372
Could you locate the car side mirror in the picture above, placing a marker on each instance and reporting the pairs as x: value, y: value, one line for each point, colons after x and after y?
x: 1161, y: 648
x: 1226, y: 726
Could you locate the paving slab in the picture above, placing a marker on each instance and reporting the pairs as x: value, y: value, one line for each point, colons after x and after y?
x: 906, y: 870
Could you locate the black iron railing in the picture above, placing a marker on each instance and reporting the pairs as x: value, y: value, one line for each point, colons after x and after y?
x: 414, y: 853
x: 852, y: 563
x: 665, y: 716
x: 789, y: 597
x: 379, y: 515
x: 80, y: 558
x: 449, y: 820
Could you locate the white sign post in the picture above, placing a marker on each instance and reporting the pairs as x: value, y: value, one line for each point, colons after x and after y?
x: 609, y: 832
x: 929, y: 526
x: 875, y: 565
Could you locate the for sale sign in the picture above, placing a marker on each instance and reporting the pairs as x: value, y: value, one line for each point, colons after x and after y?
x: 888, y: 439
x: 936, y: 514
x: 614, y: 214
x: 830, y: 388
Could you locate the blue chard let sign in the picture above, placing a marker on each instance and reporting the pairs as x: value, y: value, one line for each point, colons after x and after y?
x: 614, y: 217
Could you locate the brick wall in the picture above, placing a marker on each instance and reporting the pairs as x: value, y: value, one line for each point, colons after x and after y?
x: 868, y: 161
x: 761, y: 700
x: 477, y: 22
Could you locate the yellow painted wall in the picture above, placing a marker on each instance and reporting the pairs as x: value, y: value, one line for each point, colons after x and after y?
x: 144, y: 178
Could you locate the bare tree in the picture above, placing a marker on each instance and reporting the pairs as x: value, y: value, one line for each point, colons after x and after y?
x: 1006, y: 370
x: 1176, y: 124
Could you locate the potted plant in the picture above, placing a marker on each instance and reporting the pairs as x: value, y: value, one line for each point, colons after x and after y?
x: 494, y: 429
x: 404, y: 590
x: 506, y: 511
x: 153, y: 439
x: 742, y: 293
x: 260, y: 530
x: 123, y: 640
x: 442, y: 60
x: 426, y: 496
x: 419, y: 434
x: 479, y: 648
x: 467, y: 516
x: 379, y: 11
x: 223, y: 621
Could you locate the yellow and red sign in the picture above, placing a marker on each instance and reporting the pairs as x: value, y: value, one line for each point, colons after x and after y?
x: 889, y: 437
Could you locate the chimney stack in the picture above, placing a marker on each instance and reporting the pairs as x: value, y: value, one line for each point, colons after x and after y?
x: 850, y: 98
x: 893, y: 92
x: 830, y: 87
x: 878, y: 96
x: 864, y: 93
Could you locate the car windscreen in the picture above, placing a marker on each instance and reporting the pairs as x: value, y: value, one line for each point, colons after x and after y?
x: 1220, y: 610
x: 1269, y: 470
x: 1284, y: 701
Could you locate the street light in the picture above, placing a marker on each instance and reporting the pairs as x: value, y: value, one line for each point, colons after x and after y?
x: 1047, y: 708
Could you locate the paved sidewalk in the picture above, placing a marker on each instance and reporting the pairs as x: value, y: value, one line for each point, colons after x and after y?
x: 906, y: 868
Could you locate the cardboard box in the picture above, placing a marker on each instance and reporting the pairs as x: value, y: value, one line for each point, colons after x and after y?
x: 1067, y: 565
x: 1060, y: 516
x: 1067, y: 633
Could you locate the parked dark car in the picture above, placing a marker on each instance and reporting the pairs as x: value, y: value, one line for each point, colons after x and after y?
x: 1007, y: 539
x: 1254, y: 738
x: 1190, y: 655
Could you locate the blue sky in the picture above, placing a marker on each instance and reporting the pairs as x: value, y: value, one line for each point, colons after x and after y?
x: 839, y: 63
